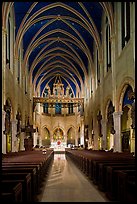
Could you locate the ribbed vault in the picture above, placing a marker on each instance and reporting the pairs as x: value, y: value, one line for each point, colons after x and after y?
x: 58, y: 39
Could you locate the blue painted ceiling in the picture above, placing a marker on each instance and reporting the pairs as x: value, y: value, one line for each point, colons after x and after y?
x: 60, y: 47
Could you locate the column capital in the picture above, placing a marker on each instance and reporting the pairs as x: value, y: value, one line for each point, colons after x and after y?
x: 14, y: 121
x: 118, y: 113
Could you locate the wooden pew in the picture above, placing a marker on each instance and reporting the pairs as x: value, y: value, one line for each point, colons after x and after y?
x: 40, y: 168
x: 11, y: 190
x: 127, y: 186
x: 99, y: 171
x: 31, y: 170
x: 115, y: 158
x: 103, y: 171
x: 89, y: 163
x: 36, y: 160
x: 112, y: 180
x: 23, y: 178
x: 35, y: 172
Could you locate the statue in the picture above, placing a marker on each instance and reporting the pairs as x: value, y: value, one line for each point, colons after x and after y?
x: 99, y: 118
x: 67, y: 91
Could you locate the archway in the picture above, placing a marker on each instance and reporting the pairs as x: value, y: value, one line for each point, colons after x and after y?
x: 46, y: 138
x: 71, y: 137
x: 110, y: 126
x: 126, y: 121
x: 58, y: 139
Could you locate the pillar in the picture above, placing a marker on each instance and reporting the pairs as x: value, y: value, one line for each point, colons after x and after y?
x: 51, y: 136
x: 40, y: 141
x: 104, y: 130
x: 38, y: 107
x: 65, y: 142
x: 76, y: 137
x: 22, y: 137
x: 117, y: 128
x: 34, y: 118
x: 82, y: 135
x: 3, y: 135
x: 35, y: 136
x: 14, y: 136
x: 4, y: 33
x: 132, y: 145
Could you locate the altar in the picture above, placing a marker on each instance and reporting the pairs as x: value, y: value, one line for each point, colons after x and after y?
x: 59, y: 146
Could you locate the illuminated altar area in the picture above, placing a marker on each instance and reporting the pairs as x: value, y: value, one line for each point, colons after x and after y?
x: 59, y: 142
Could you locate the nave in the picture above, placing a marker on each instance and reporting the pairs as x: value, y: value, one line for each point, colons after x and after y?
x: 70, y: 176
x: 66, y: 183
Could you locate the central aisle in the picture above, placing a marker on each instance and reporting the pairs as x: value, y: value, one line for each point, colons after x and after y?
x: 66, y: 183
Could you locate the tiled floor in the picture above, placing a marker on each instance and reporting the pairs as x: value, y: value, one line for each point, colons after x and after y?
x: 66, y: 183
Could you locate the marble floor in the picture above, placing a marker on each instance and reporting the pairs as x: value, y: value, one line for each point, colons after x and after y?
x: 66, y: 183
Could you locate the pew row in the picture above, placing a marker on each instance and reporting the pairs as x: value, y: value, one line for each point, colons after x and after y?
x: 95, y: 164
x: 32, y: 163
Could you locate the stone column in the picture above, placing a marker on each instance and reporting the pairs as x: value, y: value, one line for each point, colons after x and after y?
x: 76, y: 137
x: 4, y: 33
x: 65, y: 140
x: 40, y: 141
x: 51, y: 137
x: 113, y: 68
x: 41, y: 108
x: 34, y: 117
x: 38, y: 107
x: 3, y: 135
x: 22, y: 137
x: 117, y: 128
x: 82, y: 135
x: 35, y: 135
x: 14, y: 138
x: 104, y: 132
x: 132, y: 145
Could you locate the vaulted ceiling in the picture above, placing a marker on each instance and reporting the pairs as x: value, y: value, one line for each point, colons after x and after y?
x: 58, y: 39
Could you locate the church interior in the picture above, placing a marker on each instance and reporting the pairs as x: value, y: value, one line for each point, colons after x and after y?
x: 68, y: 91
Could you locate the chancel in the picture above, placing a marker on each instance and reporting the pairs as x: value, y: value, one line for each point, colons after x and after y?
x: 68, y: 101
